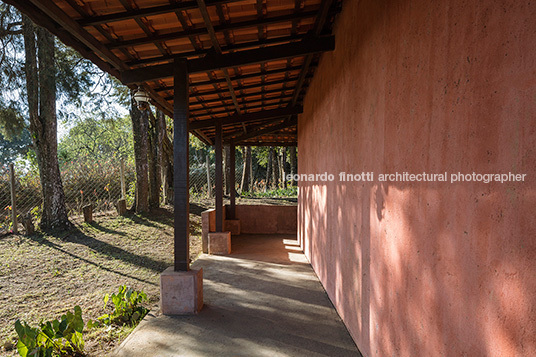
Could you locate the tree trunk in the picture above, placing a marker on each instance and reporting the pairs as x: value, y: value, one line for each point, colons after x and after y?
x: 227, y: 168
x: 167, y: 161
x: 154, y: 160
x: 246, y: 172
x: 41, y: 92
x: 293, y: 164
x: 275, y: 170
x: 269, y: 169
x: 160, y: 157
x: 139, y: 130
x: 284, y: 170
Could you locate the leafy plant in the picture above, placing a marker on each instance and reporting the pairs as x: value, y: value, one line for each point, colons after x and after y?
x: 127, y: 308
x: 291, y: 191
x: 61, y: 337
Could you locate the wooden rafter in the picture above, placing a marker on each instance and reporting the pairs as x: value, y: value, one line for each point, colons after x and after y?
x: 217, y: 62
x: 233, y: 119
x: 245, y: 60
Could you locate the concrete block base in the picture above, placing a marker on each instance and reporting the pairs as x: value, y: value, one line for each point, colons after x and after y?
x: 219, y: 243
x: 181, y: 292
x: 232, y: 225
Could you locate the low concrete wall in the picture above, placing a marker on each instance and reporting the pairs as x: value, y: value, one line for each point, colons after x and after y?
x: 268, y: 219
x: 254, y: 219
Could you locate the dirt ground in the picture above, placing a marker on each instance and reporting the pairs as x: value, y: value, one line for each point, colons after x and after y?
x: 45, y: 275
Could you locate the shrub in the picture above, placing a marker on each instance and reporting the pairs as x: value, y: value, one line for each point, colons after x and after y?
x: 127, y: 308
x: 61, y: 337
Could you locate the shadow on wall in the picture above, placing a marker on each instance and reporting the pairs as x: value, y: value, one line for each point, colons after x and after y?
x: 420, y: 268
x: 423, y: 285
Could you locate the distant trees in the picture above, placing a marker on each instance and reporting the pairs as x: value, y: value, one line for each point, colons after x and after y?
x: 98, y: 139
x: 247, y: 169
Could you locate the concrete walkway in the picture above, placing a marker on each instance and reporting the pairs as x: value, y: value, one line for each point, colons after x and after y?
x: 262, y: 300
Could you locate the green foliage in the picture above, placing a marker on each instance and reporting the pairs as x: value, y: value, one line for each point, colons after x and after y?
x: 260, y: 153
x: 52, y: 338
x: 98, y: 139
x: 127, y: 308
x: 291, y: 191
x: 12, y: 123
x: 74, y: 74
x: 13, y: 148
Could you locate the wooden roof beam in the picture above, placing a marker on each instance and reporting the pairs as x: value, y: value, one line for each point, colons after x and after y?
x: 203, y: 31
x: 255, y: 86
x: 318, y: 26
x: 243, y: 98
x: 217, y: 62
x: 222, y: 80
x: 216, y: 46
x: 238, y: 46
x: 270, y: 129
x: 200, y: 113
x: 150, y: 11
x: 267, y: 143
x: 222, y: 108
x: 261, y: 115
x: 50, y: 9
x: 67, y: 38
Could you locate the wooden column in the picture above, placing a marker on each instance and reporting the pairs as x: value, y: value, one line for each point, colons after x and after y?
x: 181, y: 166
x: 219, y: 177
x: 232, y: 191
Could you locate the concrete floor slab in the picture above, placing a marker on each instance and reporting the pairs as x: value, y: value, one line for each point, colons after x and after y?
x: 262, y: 300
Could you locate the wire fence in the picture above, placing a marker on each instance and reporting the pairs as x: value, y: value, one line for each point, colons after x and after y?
x: 85, y: 182
x: 98, y: 183
x: 200, y: 180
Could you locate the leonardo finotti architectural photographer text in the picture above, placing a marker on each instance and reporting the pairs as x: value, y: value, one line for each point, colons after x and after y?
x: 409, y: 177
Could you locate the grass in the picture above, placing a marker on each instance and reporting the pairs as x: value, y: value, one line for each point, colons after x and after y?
x: 44, y: 275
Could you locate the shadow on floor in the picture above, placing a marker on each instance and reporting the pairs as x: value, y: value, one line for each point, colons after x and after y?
x: 262, y: 300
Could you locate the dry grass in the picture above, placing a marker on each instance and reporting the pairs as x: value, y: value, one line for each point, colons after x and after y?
x: 44, y: 275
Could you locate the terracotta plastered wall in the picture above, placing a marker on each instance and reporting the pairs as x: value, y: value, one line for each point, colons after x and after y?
x: 425, y: 269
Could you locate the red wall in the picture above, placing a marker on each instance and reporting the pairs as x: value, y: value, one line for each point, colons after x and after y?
x: 267, y: 219
x: 422, y: 269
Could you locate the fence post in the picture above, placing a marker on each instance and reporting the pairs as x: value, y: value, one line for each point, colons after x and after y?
x: 165, y: 185
x: 209, y: 187
x: 13, y: 199
x: 123, y: 188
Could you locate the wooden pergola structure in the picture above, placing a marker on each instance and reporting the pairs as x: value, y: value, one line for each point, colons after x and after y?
x: 227, y: 71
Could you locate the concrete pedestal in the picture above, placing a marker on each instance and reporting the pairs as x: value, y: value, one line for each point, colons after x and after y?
x: 232, y: 225
x: 219, y: 243
x: 181, y: 292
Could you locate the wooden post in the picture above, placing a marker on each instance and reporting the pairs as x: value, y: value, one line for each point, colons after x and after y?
x: 13, y: 199
x: 88, y: 213
x: 219, y: 178
x: 209, y: 186
x: 181, y: 166
x: 121, y: 207
x: 165, y: 186
x: 28, y: 225
x: 232, y: 185
x: 123, y: 188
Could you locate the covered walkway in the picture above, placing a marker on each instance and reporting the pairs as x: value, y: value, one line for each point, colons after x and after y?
x: 262, y: 300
